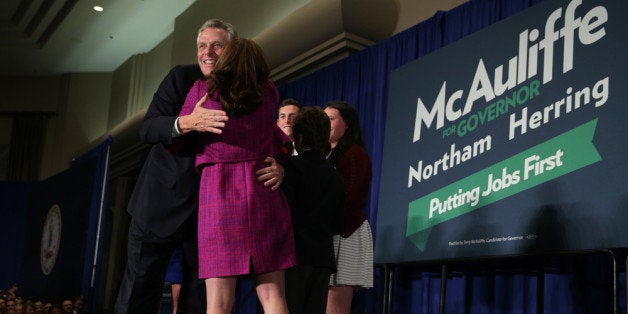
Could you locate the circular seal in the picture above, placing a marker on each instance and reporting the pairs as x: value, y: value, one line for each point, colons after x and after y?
x: 50, y: 239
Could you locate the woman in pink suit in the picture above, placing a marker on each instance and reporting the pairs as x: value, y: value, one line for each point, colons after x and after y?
x: 243, y: 226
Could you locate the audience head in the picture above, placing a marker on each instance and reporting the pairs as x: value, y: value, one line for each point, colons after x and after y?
x: 240, y: 75
x: 79, y: 304
x: 19, y: 307
x: 212, y: 38
x: 311, y: 130
x: 11, y: 305
x: 30, y: 309
x: 67, y: 305
x: 13, y: 290
x: 39, y: 306
x: 287, y: 111
x: 56, y: 310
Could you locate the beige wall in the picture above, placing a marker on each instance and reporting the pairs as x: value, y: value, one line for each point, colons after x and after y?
x: 80, y: 117
x: 157, y: 66
x: 87, y: 109
x: 6, y: 122
x: 120, y: 86
x: 91, y: 105
x: 30, y: 94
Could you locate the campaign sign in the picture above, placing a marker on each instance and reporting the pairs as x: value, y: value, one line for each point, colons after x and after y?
x: 512, y: 140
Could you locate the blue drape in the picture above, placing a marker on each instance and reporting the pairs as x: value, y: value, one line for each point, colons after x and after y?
x: 94, y: 243
x: 15, y: 200
x: 362, y: 80
x: 23, y: 207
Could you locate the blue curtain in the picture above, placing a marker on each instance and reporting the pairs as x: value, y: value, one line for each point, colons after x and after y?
x: 94, y: 242
x: 15, y: 200
x: 519, y: 285
x: 80, y: 192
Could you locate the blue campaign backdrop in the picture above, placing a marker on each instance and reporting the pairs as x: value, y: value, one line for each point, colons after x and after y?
x: 554, y: 284
x: 492, y: 143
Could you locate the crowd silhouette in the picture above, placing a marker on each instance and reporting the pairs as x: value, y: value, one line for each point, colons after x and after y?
x: 12, y: 303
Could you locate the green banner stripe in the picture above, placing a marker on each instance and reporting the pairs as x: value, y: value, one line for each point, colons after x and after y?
x: 551, y: 159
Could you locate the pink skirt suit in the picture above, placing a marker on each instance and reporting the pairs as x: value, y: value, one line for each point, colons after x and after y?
x: 243, y: 226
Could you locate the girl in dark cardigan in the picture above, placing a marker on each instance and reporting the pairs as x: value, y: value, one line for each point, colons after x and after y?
x: 354, y: 247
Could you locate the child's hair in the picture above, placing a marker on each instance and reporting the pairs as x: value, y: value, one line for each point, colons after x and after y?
x: 311, y: 129
x: 240, y: 76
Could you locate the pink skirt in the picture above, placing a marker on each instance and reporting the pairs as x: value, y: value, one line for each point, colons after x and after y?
x: 243, y: 226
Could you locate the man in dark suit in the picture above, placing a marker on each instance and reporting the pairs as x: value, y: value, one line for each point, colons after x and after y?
x: 164, y: 203
x: 315, y: 193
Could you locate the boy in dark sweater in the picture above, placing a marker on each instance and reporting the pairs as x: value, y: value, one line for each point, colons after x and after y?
x: 315, y: 193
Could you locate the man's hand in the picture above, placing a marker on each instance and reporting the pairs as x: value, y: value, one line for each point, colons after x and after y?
x: 203, y: 119
x: 271, y: 175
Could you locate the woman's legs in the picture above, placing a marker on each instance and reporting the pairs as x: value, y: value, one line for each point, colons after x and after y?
x: 271, y: 292
x: 339, y: 300
x: 220, y: 294
x: 175, y: 289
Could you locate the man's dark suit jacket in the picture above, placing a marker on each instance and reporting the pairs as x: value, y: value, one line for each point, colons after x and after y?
x: 316, y: 195
x: 166, y: 191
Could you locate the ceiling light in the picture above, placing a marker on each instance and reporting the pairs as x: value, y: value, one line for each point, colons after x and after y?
x: 98, y: 8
